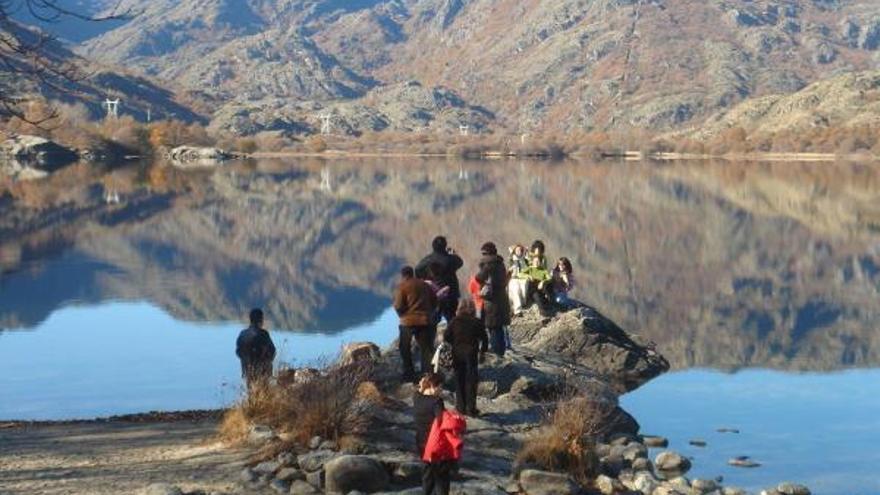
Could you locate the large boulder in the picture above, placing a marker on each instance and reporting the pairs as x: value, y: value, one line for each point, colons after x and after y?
x: 195, y: 156
x: 672, y: 462
x: 584, y: 336
x: 355, y: 472
x: 534, y: 482
x: 37, y: 152
x: 360, y: 352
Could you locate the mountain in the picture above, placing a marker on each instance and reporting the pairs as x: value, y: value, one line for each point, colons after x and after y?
x: 549, y: 65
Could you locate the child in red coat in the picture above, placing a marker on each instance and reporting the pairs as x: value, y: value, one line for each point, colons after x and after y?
x: 428, y: 408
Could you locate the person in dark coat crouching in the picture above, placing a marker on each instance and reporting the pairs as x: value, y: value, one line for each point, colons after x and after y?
x: 492, y: 277
x: 256, y: 351
x: 468, y: 338
x: 427, y: 408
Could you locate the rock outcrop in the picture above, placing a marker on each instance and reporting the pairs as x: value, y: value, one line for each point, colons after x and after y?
x: 194, y: 156
x: 586, y: 337
x: 37, y: 152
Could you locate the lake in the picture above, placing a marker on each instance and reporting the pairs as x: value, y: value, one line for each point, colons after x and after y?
x: 759, y: 282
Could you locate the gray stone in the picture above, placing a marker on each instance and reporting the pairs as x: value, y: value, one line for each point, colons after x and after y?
x: 299, y: 487
x: 356, y: 492
x: 408, y: 472
x: 161, y: 489
x: 195, y: 156
x: 608, y: 485
x: 635, y: 451
x: 672, y: 461
x: 602, y: 450
x: 666, y: 489
x: 314, y: 461
x: 248, y: 476
x: 290, y: 474
x: 642, y: 464
x: 732, y: 490
x: 789, y: 488
x: 612, y: 465
x: 535, y: 482
x: 645, y: 482
x: 588, y: 338
x: 260, y: 434
x: 280, y: 486
x: 286, y: 459
x: 680, y: 482
x: 653, y: 441
x: 512, y: 487
x: 329, y: 445
x: 354, y: 472
x: 622, y: 439
x: 698, y: 443
x: 315, y: 442
x: 316, y: 479
x: 360, y: 352
x: 743, y: 462
x: 268, y: 467
x: 704, y: 486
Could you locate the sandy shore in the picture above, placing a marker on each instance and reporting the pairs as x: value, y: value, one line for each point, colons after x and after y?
x: 116, y: 456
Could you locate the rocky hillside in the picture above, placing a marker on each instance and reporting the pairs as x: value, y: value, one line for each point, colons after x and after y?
x: 81, y: 81
x: 841, y: 102
x: 549, y: 64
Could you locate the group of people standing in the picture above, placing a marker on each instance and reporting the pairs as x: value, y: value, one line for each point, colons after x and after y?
x: 430, y: 293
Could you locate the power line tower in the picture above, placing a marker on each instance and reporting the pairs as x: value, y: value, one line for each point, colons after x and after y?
x: 463, y: 129
x: 326, y: 123
x: 112, y: 107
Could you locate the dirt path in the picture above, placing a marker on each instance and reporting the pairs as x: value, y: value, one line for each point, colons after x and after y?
x: 115, y: 457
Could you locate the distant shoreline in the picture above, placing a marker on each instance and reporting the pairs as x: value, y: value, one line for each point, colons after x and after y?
x: 625, y: 155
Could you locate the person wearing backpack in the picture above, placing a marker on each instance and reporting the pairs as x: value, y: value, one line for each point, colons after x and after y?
x: 446, y: 264
x: 492, y: 277
x: 427, y: 411
x: 467, y: 336
x: 415, y: 304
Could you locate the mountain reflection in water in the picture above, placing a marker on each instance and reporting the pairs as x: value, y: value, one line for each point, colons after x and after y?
x: 723, y: 265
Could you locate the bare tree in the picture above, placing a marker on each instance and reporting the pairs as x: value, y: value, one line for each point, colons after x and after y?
x: 30, y: 55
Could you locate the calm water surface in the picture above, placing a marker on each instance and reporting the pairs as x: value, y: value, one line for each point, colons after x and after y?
x: 759, y: 282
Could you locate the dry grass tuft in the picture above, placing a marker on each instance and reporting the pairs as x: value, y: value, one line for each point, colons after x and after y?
x: 335, y: 405
x: 567, y: 442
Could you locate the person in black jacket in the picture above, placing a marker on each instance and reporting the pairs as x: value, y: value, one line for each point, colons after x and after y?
x: 256, y: 351
x: 445, y: 264
x: 492, y: 278
x: 467, y: 335
x: 427, y: 408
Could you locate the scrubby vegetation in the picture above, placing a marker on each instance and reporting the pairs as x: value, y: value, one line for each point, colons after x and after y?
x: 566, y: 443
x: 333, y: 403
x: 71, y: 125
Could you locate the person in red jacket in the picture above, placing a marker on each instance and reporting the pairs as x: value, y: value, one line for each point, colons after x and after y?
x: 428, y: 408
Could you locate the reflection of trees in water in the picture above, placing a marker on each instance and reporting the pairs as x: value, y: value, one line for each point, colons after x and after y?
x: 722, y: 265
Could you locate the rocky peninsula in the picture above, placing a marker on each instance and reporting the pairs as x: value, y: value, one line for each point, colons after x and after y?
x: 573, y: 365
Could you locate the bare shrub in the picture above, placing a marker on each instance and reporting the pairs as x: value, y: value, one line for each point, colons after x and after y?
x: 335, y: 405
x: 566, y: 443
x: 316, y: 144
